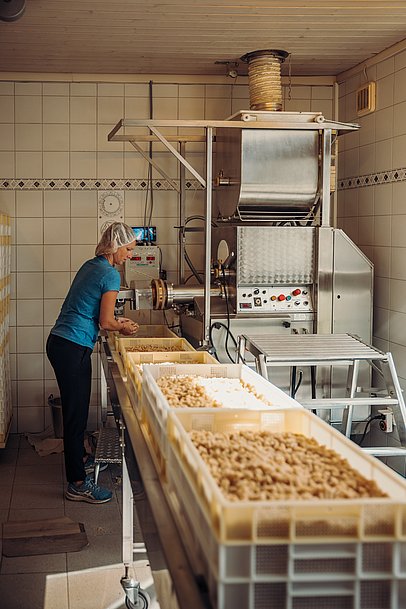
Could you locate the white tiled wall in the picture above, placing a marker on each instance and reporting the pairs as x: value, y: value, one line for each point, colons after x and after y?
x: 59, y: 130
x: 375, y: 216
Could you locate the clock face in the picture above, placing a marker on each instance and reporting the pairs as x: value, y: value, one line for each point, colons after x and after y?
x: 110, y: 204
x: 110, y: 208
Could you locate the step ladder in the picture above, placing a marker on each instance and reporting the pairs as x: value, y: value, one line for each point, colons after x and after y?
x: 314, y: 350
x: 108, y: 449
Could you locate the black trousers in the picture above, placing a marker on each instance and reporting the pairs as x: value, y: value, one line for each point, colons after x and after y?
x: 73, y: 370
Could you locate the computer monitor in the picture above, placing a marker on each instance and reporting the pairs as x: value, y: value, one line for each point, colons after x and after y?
x: 145, y: 234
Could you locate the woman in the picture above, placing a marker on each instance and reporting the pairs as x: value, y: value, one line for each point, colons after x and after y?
x: 89, y: 305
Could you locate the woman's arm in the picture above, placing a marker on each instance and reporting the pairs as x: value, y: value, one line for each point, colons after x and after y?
x: 107, y: 319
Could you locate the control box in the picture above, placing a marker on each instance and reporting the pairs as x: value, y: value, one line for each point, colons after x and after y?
x: 274, y: 299
x: 143, y: 266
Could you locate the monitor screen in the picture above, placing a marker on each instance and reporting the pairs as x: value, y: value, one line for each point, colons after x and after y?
x: 145, y: 234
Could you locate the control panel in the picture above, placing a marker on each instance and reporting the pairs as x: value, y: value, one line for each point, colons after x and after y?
x: 274, y: 299
x: 143, y: 266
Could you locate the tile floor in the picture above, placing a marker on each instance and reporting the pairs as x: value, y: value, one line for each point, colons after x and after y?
x: 32, y: 488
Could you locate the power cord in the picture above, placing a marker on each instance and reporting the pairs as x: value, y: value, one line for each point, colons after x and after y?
x: 228, y: 313
x: 368, y: 423
x: 216, y: 326
x: 299, y: 382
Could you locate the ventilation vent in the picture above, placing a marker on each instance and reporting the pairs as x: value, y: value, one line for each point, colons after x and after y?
x: 366, y: 99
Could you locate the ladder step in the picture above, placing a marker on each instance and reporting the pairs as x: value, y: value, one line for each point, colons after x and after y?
x: 385, y: 451
x: 108, y: 449
x: 340, y: 402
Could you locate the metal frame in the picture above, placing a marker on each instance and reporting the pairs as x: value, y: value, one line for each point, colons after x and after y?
x: 142, y: 490
x: 302, y: 121
x: 328, y: 350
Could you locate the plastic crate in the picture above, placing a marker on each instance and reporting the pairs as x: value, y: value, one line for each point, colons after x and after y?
x: 178, y: 344
x: 134, y: 360
x: 147, y: 331
x: 155, y: 407
x: 295, y: 576
x: 293, y: 521
x: 288, y: 554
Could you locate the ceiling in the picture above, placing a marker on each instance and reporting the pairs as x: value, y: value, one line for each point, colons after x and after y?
x: 189, y: 36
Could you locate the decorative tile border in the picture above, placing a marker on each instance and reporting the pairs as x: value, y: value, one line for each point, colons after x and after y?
x: 91, y: 184
x: 371, y: 179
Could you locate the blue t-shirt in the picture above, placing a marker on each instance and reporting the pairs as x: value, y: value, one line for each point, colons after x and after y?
x: 78, y: 320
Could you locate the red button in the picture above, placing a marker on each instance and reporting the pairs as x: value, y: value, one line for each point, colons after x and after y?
x: 281, y: 297
x: 296, y: 292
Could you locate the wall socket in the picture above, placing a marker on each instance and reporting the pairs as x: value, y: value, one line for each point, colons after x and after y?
x: 387, y: 423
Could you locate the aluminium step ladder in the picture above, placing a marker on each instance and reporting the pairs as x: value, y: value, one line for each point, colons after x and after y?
x: 333, y: 350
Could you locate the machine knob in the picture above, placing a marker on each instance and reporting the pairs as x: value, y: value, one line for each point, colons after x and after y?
x: 256, y: 291
x: 281, y: 297
x: 288, y: 297
x: 273, y: 298
x: 296, y: 292
x: 297, y: 302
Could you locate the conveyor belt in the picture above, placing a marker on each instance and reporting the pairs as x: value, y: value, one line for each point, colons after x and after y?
x: 310, y: 348
x: 164, y: 545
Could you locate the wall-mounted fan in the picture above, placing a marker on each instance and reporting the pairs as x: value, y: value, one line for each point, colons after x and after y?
x: 11, y: 10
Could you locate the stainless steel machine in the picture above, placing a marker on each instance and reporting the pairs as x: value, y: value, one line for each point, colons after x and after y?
x: 273, y: 262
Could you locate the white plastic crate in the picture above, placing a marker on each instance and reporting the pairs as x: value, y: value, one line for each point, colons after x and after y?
x: 147, y: 331
x: 288, y: 554
x: 134, y: 360
x: 155, y: 345
x: 293, y: 521
x: 155, y: 407
x: 296, y: 576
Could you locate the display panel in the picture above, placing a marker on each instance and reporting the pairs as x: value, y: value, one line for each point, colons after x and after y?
x: 145, y: 234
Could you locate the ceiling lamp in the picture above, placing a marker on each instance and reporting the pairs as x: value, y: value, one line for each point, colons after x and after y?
x: 11, y: 10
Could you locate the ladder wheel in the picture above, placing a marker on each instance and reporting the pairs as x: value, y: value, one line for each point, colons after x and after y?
x: 142, y: 603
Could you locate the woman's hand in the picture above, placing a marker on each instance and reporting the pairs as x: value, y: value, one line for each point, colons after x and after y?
x: 128, y: 327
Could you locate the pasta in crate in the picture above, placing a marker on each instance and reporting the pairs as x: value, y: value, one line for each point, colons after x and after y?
x: 245, y: 386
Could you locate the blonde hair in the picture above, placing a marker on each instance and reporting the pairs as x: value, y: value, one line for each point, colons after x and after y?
x: 116, y: 235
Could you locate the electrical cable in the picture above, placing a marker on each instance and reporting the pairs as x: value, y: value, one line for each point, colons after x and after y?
x: 219, y: 324
x: 160, y: 259
x: 151, y: 186
x: 228, y: 313
x: 170, y: 326
x: 185, y: 254
x: 192, y: 267
x: 368, y: 423
x: 296, y: 389
x: 212, y: 343
x: 149, y: 191
x: 165, y: 318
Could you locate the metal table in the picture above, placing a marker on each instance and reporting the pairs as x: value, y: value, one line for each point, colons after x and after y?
x: 327, y: 350
x: 142, y: 489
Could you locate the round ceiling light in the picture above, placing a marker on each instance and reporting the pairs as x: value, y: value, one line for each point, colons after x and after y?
x: 11, y: 10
